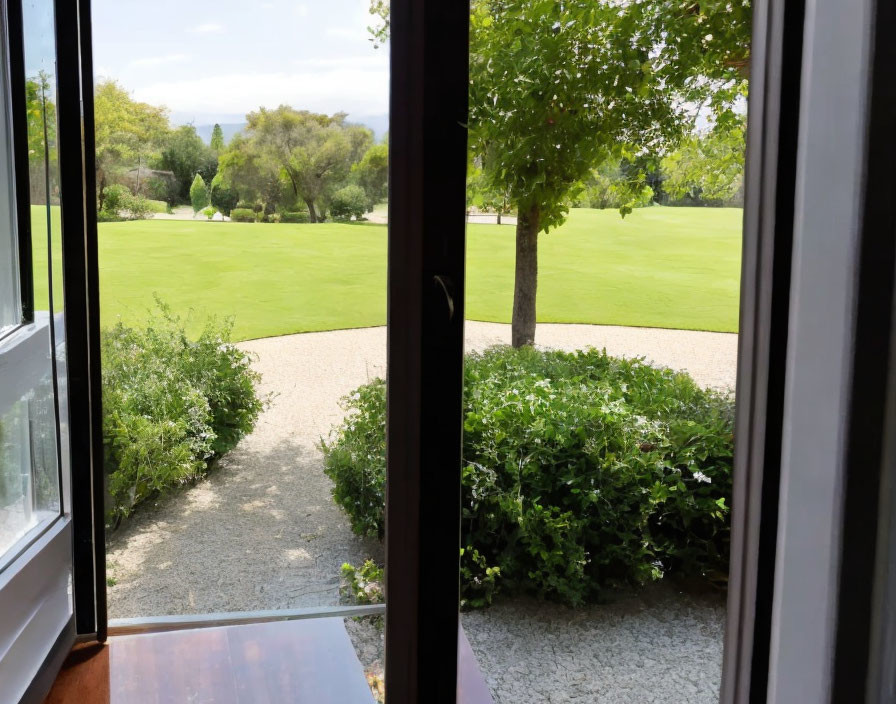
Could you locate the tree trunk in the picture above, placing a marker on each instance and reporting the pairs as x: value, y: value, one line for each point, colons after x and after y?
x: 526, y: 281
x: 312, y: 213
x: 499, y: 217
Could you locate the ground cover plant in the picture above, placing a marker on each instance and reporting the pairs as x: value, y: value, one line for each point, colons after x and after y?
x: 582, y: 473
x: 172, y: 404
x: 659, y: 267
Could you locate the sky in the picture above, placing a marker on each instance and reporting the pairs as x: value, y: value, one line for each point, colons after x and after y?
x: 215, y: 61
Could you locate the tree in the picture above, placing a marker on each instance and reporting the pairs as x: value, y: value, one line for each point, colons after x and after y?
x: 482, y: 194
x: 313, y: 152
x: 185, y: 154
x: 372, y: 174
x: 557, y: 88
x: 40, y: 116
x: 128, y: 133
x: 217, y: 141
x: 708, y: 167
x: 198, y: 194
x: 221, y: 196
x: 243, y: 167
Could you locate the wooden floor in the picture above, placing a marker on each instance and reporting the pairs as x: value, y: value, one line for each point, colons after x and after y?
x: 310, y: 661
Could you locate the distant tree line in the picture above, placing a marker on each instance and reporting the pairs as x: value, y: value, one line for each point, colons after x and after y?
x: 285, y: 161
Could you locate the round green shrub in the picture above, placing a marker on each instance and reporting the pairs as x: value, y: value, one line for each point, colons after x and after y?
x: 242, y: 215
x: 348, y: 202
x: 581, y: 472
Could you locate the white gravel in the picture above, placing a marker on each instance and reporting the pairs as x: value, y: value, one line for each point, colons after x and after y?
x: 262, y: 532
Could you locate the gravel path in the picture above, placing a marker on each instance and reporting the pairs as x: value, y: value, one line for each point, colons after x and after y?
x: 263, y: 532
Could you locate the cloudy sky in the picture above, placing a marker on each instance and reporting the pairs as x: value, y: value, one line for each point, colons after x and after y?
x: 215, y: 61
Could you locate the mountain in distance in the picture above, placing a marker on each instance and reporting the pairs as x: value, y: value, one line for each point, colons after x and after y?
x: 379, y: 124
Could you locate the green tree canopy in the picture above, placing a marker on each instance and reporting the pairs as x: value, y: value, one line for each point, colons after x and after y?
x: 311, y: 152
x: 128, y: 133
x: 707, y: 166
x: 372, y: 174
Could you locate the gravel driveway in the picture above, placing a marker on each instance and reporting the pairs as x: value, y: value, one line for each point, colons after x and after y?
x: 262, y: 533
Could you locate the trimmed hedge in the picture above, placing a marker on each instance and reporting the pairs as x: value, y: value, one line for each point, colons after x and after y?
x: 581, y: 473
x: 242, y: 215
x: 298, y: 217
x: 171, y: 406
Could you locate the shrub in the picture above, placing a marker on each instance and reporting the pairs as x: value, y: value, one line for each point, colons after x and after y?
x: 198, y: 194
x: 119, y: 203
x: 157, y: 206
x: 242, y: 215
x: 581, y: 472
x: 348, y: 202
x: 209, y: 212
x: 299, y: 217
x: 171, y: 405
x: 115, y: 197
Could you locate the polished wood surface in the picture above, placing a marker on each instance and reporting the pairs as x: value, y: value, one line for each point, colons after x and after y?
x: 299, y: 662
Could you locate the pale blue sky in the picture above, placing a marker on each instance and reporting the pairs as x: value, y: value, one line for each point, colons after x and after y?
x: 214, y: 61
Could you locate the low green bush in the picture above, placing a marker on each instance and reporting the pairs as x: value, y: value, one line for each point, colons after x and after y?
x: 298, y: 217
x: 157, y: 206
x: 242, y: 215
x: 171, y: 405
x: 581, y: 473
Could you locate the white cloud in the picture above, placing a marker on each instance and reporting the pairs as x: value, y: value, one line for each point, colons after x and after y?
x: 158, y: 60
x: 300, y: 10
x: 209, y: 28
x: 359, y: 89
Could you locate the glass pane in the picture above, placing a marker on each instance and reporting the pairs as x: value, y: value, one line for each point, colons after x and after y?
x: 33, y: 357
x: 10, y: 297
x: 29, y: 484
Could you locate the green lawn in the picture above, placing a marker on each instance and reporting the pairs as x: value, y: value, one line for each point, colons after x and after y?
x: 659, y: 267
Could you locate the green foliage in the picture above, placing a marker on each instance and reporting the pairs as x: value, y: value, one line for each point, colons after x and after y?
x: 296, y: 151
x: 609, y: 186
x: 223, y: 198
x: 708, y: 168
x: 349, y: 201
x: 364, y: 585
x: 157, y: 206
x: 170, y: 405
x: 372, y: 174
x: 242, y: 215
x: 581, y: 472
x: 185, y: 154
x: 198, y: 194
x: 209, y: 212
x: 120, y: 204
x: 217, y: 140
x: 299, y: 217
x: 127, y: 132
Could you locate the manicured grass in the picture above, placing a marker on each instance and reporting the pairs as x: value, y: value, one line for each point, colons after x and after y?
x: 659, y: 267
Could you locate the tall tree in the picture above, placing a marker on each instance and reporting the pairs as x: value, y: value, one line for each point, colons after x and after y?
x: 560, y: 86
x: 128, y: 133
x: 313, y: 152
x: 217, y: 141
x: 707, y: 166
x: 244, y: 168
x: 185, y: 154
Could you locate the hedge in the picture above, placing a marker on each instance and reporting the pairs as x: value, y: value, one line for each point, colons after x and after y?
x: 242, y: 215
x: 297, y: 217
x: 581, y: 473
